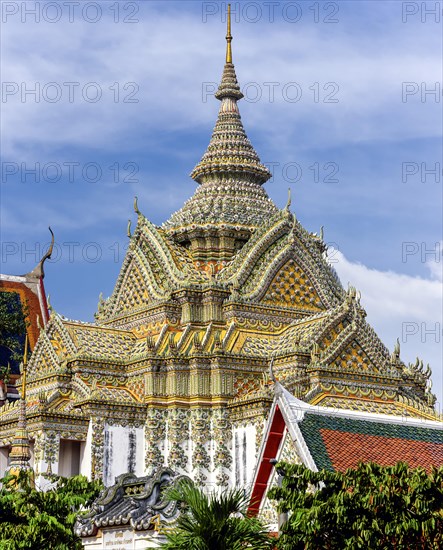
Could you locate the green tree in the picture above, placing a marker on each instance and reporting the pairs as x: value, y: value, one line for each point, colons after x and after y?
x: 31, y: 519
x: 371, y: 506
x: 214, y: 522
x: 13, y: 326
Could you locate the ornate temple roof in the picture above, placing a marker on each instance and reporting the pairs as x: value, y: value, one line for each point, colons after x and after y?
x: 230, y: 173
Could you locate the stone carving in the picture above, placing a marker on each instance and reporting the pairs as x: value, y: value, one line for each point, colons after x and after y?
x: 138, y: 502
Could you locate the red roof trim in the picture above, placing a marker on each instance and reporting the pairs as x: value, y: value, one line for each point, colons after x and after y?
x: 43, y: 302
x: 29, y: 295
x: 270, y: 451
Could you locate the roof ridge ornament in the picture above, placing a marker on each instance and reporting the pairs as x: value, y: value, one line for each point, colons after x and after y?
x: 288, y: 202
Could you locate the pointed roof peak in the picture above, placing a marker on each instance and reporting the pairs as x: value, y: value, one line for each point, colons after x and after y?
x: 230, y: 155
x: 230, y: 173
x: 229, y: 86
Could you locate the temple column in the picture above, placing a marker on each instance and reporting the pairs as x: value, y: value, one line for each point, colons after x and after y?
x: 200, y: 433
x: 221, y: 434
x: 178, y: 439
x: 155, y: 434
x: 97, y: 431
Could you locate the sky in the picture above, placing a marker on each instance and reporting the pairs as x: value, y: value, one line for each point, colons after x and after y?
x: 104, y: 101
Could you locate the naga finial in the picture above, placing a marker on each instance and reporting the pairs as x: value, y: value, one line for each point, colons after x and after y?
x: 136, y: 210
x: 288, y: 202
x: 101, y: 302
x: 229, y: 37
x: 129, y: 229
x: 352, y: 292
x: 397, y: 348
x: 292, y: 237
x: 271, y: 371
x: 50, y: 308
x: 322, y: 232
x: 38, y: 271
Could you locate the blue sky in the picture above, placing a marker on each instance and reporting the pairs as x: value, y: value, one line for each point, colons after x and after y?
x: 334, y: 91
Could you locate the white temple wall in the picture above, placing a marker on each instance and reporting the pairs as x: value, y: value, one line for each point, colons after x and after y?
x: 31, y: 453
x: 244, y: 455
x: 86, y: 454
x: 122, y: 453
x: 47, y: 447
x: 69, y: 458
x: 4, y: 459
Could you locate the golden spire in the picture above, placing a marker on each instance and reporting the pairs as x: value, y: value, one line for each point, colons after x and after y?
x: 20, y: 449
x: 229, y: 38
x: 25, y: 364
x: 230, y: 155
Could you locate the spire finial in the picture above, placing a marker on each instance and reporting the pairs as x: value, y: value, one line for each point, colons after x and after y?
x: 229, y: 38
x: 25, y: 365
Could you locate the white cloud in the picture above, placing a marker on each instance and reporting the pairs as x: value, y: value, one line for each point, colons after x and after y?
x: 435, y: 262
x: 368, y: 70
x: 170, y: 54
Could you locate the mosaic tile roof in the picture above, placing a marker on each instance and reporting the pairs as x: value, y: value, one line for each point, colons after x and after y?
x: 101, y: 342
x: 340, y: 438
x: 341, y: 443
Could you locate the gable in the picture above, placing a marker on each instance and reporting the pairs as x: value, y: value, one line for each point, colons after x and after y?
x: 29, y: 297
x: 14, y: 310
x: 268, y: 452
x: 292, y: 287
x: 354, y: 358
x: 133, y: 293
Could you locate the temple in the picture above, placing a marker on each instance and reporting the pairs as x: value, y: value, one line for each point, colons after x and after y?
x: 175, y: 370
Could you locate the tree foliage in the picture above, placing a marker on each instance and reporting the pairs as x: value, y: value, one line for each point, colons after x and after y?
x: 12, y: 330
x: 31, y: 519
x: 214, y: 522
x: 371, y: 506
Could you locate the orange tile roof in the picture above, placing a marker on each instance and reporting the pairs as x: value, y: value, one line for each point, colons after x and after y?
x: 346, y: 450
x: 32, y: 296
x: 338, y: 443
